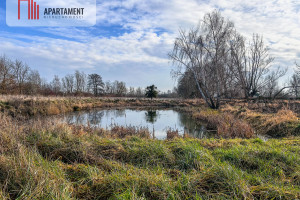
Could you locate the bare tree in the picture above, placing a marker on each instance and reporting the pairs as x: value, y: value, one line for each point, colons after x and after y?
x: 251, y: 65
x: 56, y: 85
x: 68, y: 83
x: 34, y: 82
x: 21, y: 72
x: 6, y: 75
x: 139, y: 92
x: 119, y: 88
x: 204, y: 51
x: 108, y: 87
x: 96, y: 84
x: 131, y: 92
x: 271, y: 85
x: 295, y: 85
x: 80, y: 82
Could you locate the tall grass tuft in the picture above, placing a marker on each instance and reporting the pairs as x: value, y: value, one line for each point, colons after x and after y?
x: 226, y: 124
x: 284, y: 123
x: 171, y: 134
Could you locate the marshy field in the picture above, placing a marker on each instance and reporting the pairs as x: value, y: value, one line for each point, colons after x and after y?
x: 119, y: 148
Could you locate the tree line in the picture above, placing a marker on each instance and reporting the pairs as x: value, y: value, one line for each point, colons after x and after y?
x: 16, y: 77
x: 215, y: 61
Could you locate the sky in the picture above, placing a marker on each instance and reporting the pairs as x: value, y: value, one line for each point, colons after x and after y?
x: 132, y: 38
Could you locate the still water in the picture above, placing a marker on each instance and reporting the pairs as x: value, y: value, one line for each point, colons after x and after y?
x: 158, y: 121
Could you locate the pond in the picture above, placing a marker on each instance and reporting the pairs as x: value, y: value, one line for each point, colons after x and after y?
x: 155, y: 120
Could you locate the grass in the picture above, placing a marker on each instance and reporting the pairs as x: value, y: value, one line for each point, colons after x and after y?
x: 51, y: 160
x: 45, y: 160
x: 225, y: 123
x: 236, y: 121
x: 282, y: 123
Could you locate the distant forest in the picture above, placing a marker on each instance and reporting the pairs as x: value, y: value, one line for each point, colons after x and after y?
x: 16, y: 77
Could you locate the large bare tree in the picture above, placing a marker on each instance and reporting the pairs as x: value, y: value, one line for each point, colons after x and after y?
x: 251, y: 65
x: 204, y: 51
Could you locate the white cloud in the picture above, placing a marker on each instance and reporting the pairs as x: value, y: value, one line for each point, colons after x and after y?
x: 277, y: 20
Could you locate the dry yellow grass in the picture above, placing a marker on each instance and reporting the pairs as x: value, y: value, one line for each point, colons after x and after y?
x: 284, y: 122
x: 36, y: 105
x: 225, y: 123
x: 282, y: 116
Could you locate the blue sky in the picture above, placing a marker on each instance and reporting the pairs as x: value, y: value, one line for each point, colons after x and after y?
x: 131, y: 39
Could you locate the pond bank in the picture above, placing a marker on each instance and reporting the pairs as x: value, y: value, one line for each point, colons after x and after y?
x: 33, y: 106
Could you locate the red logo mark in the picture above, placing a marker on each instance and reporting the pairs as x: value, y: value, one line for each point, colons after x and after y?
x: 33, y: 10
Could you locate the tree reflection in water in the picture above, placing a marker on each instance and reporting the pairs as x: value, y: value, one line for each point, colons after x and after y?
x: 75, y: 119
x: 151, y: 116
x: 190, y: 126
x: 120, y: 113
x: 95, y: 117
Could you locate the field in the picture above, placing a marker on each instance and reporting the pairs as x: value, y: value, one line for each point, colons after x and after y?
x: 46, y: 160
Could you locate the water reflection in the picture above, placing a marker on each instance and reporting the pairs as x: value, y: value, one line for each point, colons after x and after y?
x: 151, y: 116
x: 120, y: 113
x: 95, y: 117
x: 191, y: 127
x: 157, y: 121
